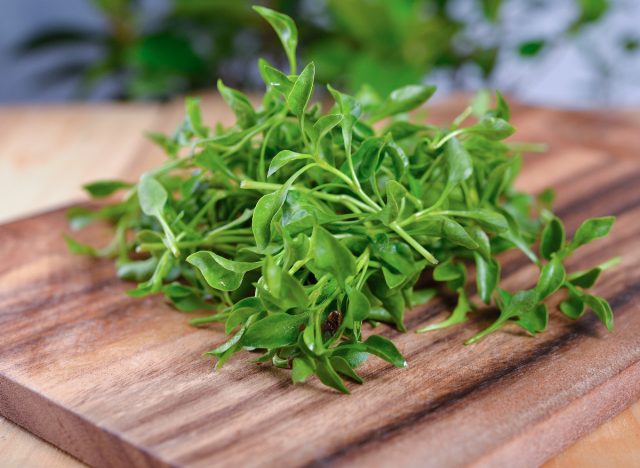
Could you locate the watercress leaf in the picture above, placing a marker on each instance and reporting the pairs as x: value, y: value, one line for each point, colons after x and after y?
x: 396, y: 194
x: 286, y: 30
x: 194, y: 117
x: 455, y: 233
x: 330, y: 256
x: 301, y: 91
x: 553, y: 238
x: 274, y: 78
x: 552, y: 276
x: 447, y: 271
x: 324, y: 125
x: 328, y: 375
x: 151, y: 195
x: 239, y: 104
x: 105, y: 188
x: 459, y: 314
x: 283, y: 158
x: 265, y: 210
x: 592, y: 229
x: 359, y: 306
x: 587, y: 278
x: 368, y: 158
x: 342, y: 367
x: 398, y: 157
x: 535, y: 320
x: 502, y: 110
x: 422, y: 296
x: 355, y: 357
x: 274, y: 331
x: 221, y: 273
x: 458, y: 162
x: 480, y: 237
x: 490, y: 220
x: 285, y: 288
x: 137, y: 270
x: 573, y: 306
x: 350, y: 108
x: 302, y: 369
x: 487, y: 277
x: 403, y: 100
x: 78, y: 248
x: 601, y: 308
x: 492, y: 128
x: 384, y: 349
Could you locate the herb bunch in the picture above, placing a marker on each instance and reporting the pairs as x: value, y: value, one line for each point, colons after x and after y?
x: 294, y: 227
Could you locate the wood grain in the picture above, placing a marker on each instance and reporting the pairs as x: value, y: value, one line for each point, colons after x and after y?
x: 131, y: 370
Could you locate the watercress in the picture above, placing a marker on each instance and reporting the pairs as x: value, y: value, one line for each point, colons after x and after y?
x: 295, y: 227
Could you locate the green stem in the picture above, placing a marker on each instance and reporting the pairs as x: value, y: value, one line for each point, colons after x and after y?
x: 414, y: 243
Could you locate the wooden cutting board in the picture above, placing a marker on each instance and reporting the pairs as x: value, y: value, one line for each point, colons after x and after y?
x: 117, y: 381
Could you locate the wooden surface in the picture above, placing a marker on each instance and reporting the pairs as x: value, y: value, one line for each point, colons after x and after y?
x: 119, y: 373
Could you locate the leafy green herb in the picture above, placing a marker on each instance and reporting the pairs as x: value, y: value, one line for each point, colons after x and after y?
x: 296, y: 228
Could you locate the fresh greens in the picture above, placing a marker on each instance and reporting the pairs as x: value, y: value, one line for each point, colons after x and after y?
x: 295, y: 227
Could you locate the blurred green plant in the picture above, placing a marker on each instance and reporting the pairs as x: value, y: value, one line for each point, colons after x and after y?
x: 385, y: 44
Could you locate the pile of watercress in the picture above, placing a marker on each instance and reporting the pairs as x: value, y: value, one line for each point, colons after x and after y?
x: 294, y: 227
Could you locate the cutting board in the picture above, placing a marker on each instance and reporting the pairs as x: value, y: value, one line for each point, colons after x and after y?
x: 118, y: 381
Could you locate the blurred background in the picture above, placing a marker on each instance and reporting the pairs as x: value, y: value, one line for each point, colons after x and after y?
x: 564, y: 53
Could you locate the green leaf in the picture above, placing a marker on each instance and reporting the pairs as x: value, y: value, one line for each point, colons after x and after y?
x: 340, y: 365
x: 350, y: 108
x: 138, y: 270
x: 384, y: 349
x: 492, y: 128
x: 324, y: 125
x: 422, y: 296
x: 286, y: 30
x: 301, y: 370
x: 592, y: 229
x: 328, y: 375
x: 487, y: 277
x: 447, y: 271
x: 274, y: 331
x: 553, y: 238
x: 396, y: 194
x: 284, y: 287
x: 274, y: 78
x: 459, y: 314
x: 587, y: 278
x: 263, y: 215
x: 551, y: 278
x: 601, y: 308
x: 491, y: 220
x: 77, y: 248
x: 221, y: 273
x: 455, y: 233
x: 239, y: 104
x: 359, y: 306
x: 283, y: 158
x: 403, y: 100
x: 534, y: 321
x: 151, y: 195
x: 573, y: 306
x: 105, y: 188
x: 194, y: 116
x: 330, y: 256
x: 458, y: 162
x: 301, y: 91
